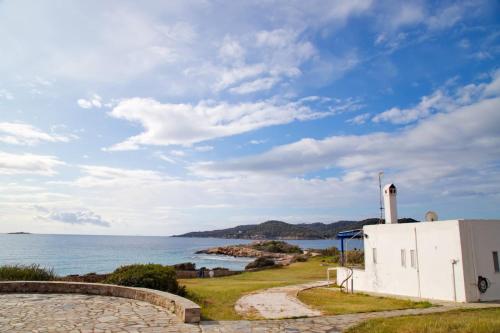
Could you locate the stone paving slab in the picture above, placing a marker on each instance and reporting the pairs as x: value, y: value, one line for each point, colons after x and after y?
x: 84, y: 314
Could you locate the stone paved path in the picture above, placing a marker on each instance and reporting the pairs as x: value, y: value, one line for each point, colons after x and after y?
x: 325, y: 324
x: 276, y: 303
x: 84, y: 313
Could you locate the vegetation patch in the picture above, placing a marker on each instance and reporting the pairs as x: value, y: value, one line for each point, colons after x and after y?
x: 26, y: 273
x: 458, y: 321
x: 353, y: 257
x: 185, y: 266
x: 333, y: 302
x: 88, y: 278
x: 153, y: 276
x: 276, y: 247
x: 261, y: 262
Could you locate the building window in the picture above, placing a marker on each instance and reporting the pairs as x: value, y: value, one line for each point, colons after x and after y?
x: 374, y: 255
x: 413, y: 259
x: 403, y: 257
x: 495, y: 262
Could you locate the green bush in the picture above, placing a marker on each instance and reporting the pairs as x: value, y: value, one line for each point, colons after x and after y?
x: 355, y: 256
x: 300, y: 258
x: 26, y: 273
x: 185, y: 266
x: 276, y: 247
x: 260, y: 262
x: 329, y: 252
x: 151, y: 276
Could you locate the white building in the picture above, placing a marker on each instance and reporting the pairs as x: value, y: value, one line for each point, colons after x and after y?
x: 454, y: 260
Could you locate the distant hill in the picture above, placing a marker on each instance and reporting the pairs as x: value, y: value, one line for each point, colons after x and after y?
x: 282, y: 230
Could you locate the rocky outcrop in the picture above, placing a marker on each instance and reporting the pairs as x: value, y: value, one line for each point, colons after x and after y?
x: 249, y: 252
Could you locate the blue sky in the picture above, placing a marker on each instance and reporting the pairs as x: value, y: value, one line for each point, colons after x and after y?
x: 157, y: 118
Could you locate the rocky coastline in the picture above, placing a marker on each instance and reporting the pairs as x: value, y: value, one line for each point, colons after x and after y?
x: 247, y: 250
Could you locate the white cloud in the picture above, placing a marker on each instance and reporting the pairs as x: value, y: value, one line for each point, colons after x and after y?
x: 228, y: 77
x: 448, y: 16
x: 404, y: 116
x: 107, y: 176
x: 231, y: 50
x: 14, y: 164
x: 396, y: 18
x: 407, y: 14
x: 464, y: 43
x: 28, y: 135
x: 84, y: 104
x: 95, y: 101
x: 203, y: 149
x: 441, y: 101
x: 186, y: 124
x: 74, y: 217
x: 254, y: 86
x: 255, y: 61
x: 359, y: 119
x: 178, y: 153
x: 5, y: 94
x: 257, y: 142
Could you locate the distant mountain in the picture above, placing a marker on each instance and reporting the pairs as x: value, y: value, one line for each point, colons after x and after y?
x: 282, y: 230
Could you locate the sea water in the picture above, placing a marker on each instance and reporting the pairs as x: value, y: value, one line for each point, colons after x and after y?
x: 80, y: 254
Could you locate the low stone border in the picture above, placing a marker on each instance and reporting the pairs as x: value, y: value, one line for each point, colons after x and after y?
x: 187, y: 311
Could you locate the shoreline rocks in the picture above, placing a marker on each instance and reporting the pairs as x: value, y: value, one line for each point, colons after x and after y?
x: 246, y: 250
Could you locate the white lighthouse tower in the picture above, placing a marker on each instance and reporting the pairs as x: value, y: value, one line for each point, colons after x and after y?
x: 390, y: 204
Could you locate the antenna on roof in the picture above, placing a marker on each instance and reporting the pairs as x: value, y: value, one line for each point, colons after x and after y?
x: 380, y: 174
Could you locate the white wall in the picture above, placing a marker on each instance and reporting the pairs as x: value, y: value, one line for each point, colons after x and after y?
x: 479, y: 239
x: 438, y: 245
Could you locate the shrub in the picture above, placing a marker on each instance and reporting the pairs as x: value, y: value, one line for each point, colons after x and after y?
x: 185, y: 266
x: 151, y: 276
x: 329, y: 252
x: 355, y: 257
x: 260, y: 262
x: 352, y: 256
x: 26, y: 273
x: 89, y: 277
x: 301, y: 258
x: 277, y: 247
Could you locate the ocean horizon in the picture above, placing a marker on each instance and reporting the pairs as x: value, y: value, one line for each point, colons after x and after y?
x: 81, y: 254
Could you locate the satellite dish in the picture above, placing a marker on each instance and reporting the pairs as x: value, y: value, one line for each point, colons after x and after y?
x: 431, y: 216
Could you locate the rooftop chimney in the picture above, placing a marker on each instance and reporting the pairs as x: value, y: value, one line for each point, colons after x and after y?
x: 390, y: 205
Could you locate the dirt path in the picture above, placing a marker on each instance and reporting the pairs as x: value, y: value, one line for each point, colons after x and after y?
x: 277, y: 303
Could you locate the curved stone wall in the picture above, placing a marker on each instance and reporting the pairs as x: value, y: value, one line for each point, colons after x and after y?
x: 187, y: 311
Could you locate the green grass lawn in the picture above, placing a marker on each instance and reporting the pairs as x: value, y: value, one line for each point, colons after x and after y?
x: 217, y: 296
x: 334, y: 302
x: 460, y: 321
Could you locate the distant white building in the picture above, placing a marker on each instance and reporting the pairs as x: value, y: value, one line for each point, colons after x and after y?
x: 454, y: 260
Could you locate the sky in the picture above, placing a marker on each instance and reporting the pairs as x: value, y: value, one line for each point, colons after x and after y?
x: 163, y: 117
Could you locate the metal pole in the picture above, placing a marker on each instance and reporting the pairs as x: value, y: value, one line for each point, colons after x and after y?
x: 453, y: 263
x: 380, y: 174
x: 342, y: 251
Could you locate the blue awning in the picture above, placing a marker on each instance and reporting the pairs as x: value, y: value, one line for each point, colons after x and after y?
x: 356, y: 233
